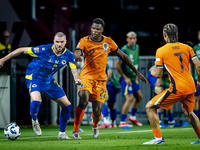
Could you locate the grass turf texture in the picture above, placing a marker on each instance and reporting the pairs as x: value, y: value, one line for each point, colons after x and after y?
x: 177, y: 138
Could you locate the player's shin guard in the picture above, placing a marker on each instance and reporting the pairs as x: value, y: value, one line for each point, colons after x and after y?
x: 157, y: 133
x: 96, y: 120
x: 34, y: 108
x: 197, y: 132
x: 64, y: 117
x: 79, y: 113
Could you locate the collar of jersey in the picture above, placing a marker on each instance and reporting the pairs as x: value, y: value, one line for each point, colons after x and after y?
x: 134, y: 47
x: 97, y: 41
x: 55, y: 52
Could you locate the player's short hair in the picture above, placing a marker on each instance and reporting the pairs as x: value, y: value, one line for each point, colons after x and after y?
x: 131, y: 33
x: 60, y: 34
x: 172, y: 32
x: 99, y: 21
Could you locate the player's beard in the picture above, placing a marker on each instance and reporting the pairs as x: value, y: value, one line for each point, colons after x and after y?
x: 59, y: 48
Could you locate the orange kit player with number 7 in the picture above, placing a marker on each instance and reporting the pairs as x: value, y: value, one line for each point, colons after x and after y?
x: 95, y: 48
x: 174, y: 57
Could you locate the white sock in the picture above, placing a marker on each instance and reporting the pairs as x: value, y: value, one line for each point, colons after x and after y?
x: 159, y: 138
x: 133, y: 117
x: 61, y: 132
x: 106, y: 120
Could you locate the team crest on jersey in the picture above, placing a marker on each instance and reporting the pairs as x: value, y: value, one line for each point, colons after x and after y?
x: 56, y: 61
x: 36, y: 50
x: 105, y: 46
x: 43, y: 49
x: 63, y: 62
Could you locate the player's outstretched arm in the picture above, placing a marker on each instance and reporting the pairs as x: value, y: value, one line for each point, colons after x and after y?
x: 76, y: 76
x: 13, y: 54
x: 77, y: 54
x: 127, y: 60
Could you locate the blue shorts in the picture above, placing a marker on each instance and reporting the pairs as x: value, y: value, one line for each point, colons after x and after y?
x: 112, y: 92
x: 52, y: 89
x: 152, y: 80
x: 127, y: 89
x: 197, y: 92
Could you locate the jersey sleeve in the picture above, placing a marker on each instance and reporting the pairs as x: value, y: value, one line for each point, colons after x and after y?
x: 81, y: 45
x: 159, y: 59
x: 192, y: 54
x: 36, y: 51
x: 113, y: 46
x: 71, y: 62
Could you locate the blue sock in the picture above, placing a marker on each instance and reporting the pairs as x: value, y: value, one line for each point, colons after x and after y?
x: 159, y: 115
x: 123, y: 117
x: 196, y: 112
x: 105, y: 110
x: 64, y: 117
x: 113, y: 114
x: 34, y: 108
x: 133, y: 112
x: 170, y: 117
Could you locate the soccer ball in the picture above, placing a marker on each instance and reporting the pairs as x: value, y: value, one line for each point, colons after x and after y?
x: 12, y: 131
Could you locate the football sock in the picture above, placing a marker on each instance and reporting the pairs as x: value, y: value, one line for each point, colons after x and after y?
x: 96, y: 120
x: 79, y: 113
x: 157, y: 133
x: 105, y: 110
x: 123, y: 117
x: 64, y: 117
x: 113, y: 114
x: 34, y: 108
x: 159, y: 115
x: 170, y: 117
x: 197, y: 132
x: 196, y: 112
x: 133, y: 112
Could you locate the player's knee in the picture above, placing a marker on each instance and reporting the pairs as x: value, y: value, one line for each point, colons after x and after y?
x: 187, y: 113
x: 139, y: 98
x: 83, y: 101
x: 148, y: 106
x: 97, y: 112
x: 129, y: 98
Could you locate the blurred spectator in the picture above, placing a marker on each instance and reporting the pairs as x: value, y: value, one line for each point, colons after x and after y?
x: 5, y: 48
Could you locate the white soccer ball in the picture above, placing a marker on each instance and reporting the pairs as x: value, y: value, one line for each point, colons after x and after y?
x: 12, y: 131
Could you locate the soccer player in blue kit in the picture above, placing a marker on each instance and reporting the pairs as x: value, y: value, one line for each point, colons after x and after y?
x: 48, y: 60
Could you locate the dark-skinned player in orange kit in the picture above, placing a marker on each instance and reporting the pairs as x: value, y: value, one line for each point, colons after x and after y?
x: 95, y: 49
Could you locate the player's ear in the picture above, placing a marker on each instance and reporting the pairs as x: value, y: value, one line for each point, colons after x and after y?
x: 102, y: 29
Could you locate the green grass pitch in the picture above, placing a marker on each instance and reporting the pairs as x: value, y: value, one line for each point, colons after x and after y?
x: 177, y: 138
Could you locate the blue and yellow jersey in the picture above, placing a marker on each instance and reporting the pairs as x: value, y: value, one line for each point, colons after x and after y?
x: 47, y: 62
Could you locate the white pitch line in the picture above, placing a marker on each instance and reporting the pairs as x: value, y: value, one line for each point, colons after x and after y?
x: 40, y: 137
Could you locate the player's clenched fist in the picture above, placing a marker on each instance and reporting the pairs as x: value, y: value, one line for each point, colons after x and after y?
x: 78, y: 81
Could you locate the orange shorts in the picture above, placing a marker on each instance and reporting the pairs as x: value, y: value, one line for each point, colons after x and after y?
x: 97, y: 89
x: 166, y: 99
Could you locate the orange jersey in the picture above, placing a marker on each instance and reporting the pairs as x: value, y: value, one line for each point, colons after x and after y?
x: 96, y: 55
x: 175, y: 58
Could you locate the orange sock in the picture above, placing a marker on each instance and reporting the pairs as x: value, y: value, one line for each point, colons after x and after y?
x: 157, y: 133
x: 197, y: 132
x: 96, y: 120
x: 79, y: 113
